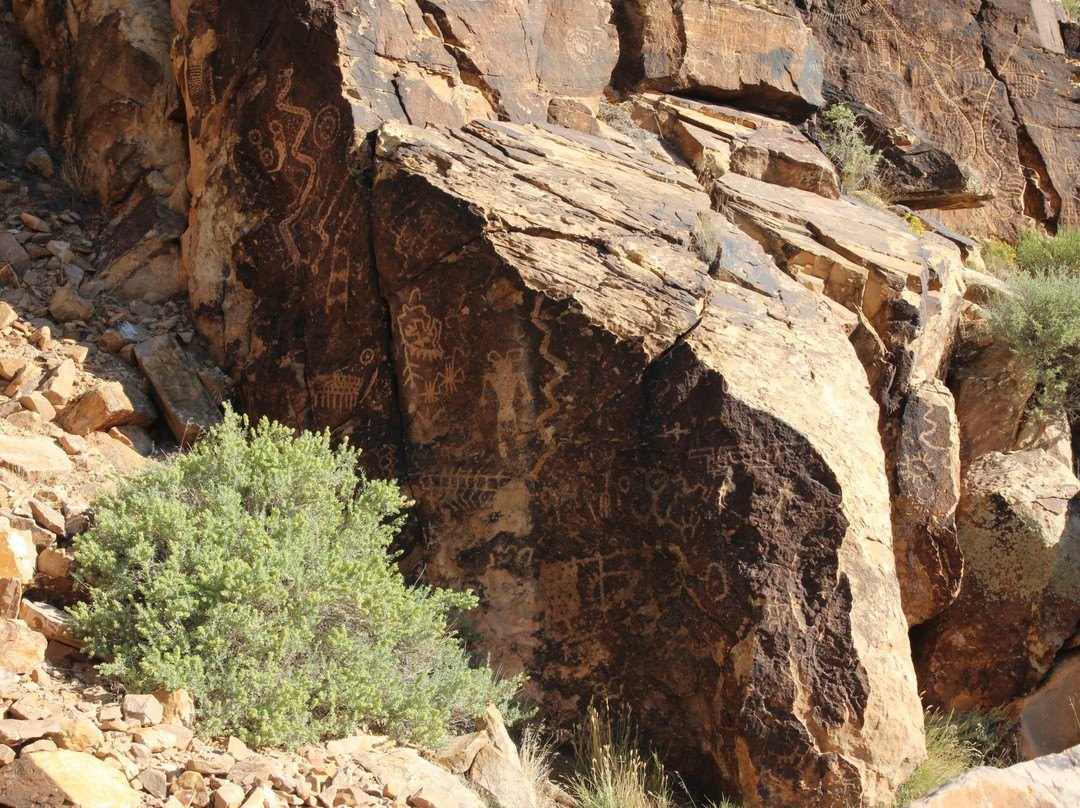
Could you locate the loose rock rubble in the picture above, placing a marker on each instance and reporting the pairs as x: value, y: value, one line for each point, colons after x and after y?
x: 68, y: 740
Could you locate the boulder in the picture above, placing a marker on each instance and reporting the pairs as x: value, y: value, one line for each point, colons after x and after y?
x: 413, y: 778
x: 18, y: 556
x: 189, y: 410
x: 17, y: 731
x: 60, y: 384
x: 1048, y: 718
x: 991, y: 391
x: 496, y: 768
x: 105, y: 405
x: 12, y: 252
x: 145, y: 709
x: 67, y: 305
x: 609, y: 360
x: 33, y: 457
x: 48, y: 621
x: 11, y: 589
x: 117, y: 453
x: 1046, y: 782
x: 715, y: 139
x: 1018, y: 526
x: 64, y: 778
x: 926, y: 490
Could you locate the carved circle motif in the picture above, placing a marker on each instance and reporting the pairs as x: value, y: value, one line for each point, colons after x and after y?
x: 327, y: 126
x: 582, y: 45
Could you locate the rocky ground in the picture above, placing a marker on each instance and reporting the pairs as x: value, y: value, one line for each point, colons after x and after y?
x: 93, y: 385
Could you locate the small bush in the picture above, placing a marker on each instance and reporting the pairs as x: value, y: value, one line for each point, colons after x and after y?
x: 1037, y: 251
x: 843, y: 140
x: 254, y: 571
x: 955, y: 742
x: 1040, y: 320
x: 999, y: 258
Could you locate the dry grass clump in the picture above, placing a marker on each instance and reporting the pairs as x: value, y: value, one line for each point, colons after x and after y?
x: 955, y: 742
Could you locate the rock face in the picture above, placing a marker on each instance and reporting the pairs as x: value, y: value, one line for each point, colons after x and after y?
x: 1019, y: 529
x: 926, y: 490
x: 715, y: 50
x: 641, y: 398
x: 972, y: 101
x: 1048, y: 782
x: 1047, y: 722
x: 61, y: 777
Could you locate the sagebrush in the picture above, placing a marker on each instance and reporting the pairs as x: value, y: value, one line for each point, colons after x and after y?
x: 1038, y: 251
x: 843, y: 139
x: 1039, y: 319
x: 255, y: 572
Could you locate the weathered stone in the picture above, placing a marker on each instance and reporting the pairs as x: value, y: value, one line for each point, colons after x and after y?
x: 118, y: 453
x: 926, y: 490
x: 18, y: 556
x: 228, y: 795
x: 21, y: 649
x: 1019, y: 530
x: 16, y: 731
x: 36, y: 402
x: 415, y: 776
x: 716, y: 139
x: 106, y: 405
x: 991, y: 391
x: 32, y: 457
x: 64, y: 778
x: 8, y: 316
x: 12, y: 252
x: 78, y: 735
x: 122, y: 334
x: 48, y: 517
x: 1048, y: 722
x: 1046, y: 782
x: 39, y: 162
x: 177, y: 707
x: 143, y: 708
x: 48, y: 621
x: 60, y: 384
x: 155, y: 782
x: 658, y: 349
x: 189, y: 410
x: 66, y: 304
x: 55, y: 562
x: 713, y: 48
x: 192, y: 785
x: 10, y: 595
x: 496, y: 768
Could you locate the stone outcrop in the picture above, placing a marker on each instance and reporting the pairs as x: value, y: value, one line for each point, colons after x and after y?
x: 925, y: 492
x: 1019, y: 529
x: 1047, y: 782
x: 649, y: 398
x: 715, y: 49
x: 973, y: 103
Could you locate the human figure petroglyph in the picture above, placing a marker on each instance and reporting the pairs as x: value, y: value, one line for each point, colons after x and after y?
x: 506, y: 381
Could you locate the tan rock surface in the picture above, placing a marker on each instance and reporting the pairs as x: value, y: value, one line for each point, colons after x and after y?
x: 21, y: 649
x: 1019, y: 530
x: 1048, y: 723
x: 1047, y: 782
x: 189, y: 410
x: 63, y: 777
x: 106, y: 405
x: 667, y: 355
x: 32, y: 457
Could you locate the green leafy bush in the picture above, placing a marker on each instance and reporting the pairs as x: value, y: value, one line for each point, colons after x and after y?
x: 843, y: 140
x: 254, y: 571
x: 1037, y: 251
x: 1040, y: 320
x: 999, y: 258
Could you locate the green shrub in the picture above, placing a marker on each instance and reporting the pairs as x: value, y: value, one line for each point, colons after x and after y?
x: 1040, y: 320
x: 1037, y: 251
x: 999, y: 258
x: 955, y: 742
x: 254, y: 571
x: 843, y: 140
